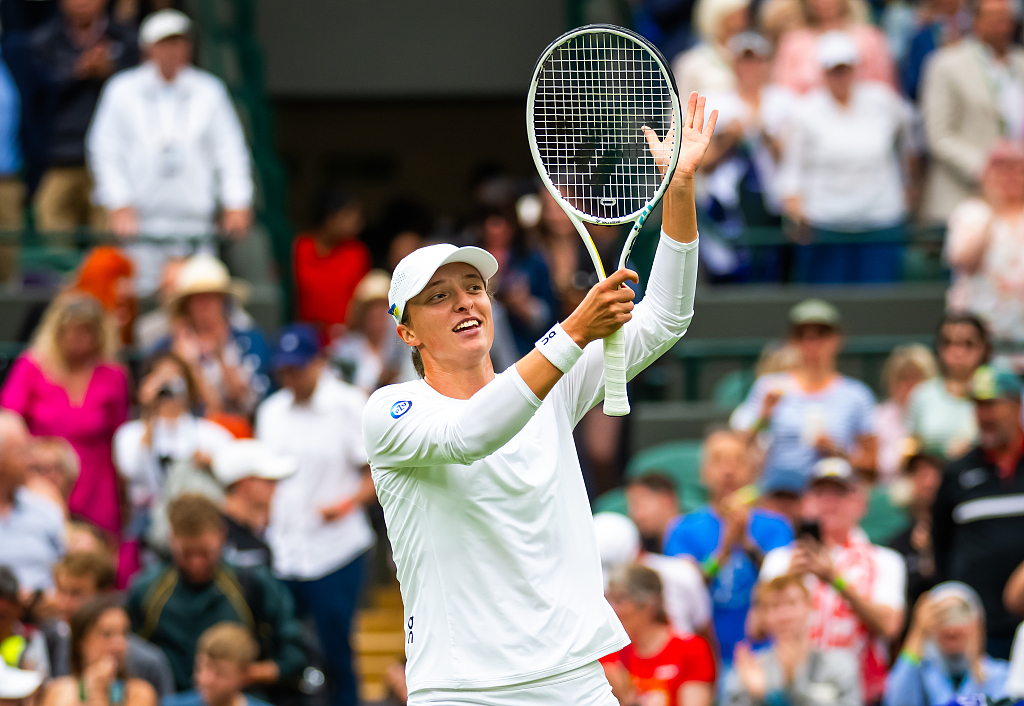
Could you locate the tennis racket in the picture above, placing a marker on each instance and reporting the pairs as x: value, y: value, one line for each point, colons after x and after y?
x: 593, y: 89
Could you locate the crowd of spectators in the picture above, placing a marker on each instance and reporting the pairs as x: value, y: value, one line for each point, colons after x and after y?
x: 198, y: 525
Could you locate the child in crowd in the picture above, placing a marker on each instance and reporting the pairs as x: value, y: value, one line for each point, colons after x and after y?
x: 21, y: 646
x: 223, y: 657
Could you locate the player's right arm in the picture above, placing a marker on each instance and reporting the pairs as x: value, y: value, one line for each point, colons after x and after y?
x: 403, y: 429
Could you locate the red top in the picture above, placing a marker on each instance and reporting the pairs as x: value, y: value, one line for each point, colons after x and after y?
x: 657, y: 679
x: 324, y: 285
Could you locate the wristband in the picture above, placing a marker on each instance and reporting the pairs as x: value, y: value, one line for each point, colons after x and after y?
x: 710, y: 567
x: 839, y: 584
x: 559, y: 348
x: 911, y: 657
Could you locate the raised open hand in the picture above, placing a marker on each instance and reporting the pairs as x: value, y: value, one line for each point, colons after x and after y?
x: 694, y: 138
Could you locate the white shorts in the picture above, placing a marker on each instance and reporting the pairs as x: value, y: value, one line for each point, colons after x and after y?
x: 583, y: 686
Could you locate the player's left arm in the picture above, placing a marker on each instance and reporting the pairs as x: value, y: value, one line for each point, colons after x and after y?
x: 679, y: 219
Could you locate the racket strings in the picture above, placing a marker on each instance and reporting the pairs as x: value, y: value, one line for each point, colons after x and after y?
x: 594, y: 93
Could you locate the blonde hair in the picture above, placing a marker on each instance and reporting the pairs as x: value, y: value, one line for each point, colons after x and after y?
x: 70, y: 464
x: 73, y: 307
x: 905, y: 359
x: 856, y: 11
x: 780, y: 584
x: 230, y: 642
x: 710, y: 13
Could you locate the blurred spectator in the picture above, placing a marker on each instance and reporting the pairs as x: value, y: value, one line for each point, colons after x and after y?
x: 12, y: 190
x: 983, y: 247
x: 728, y: 537
x: 782, y: 493
x: 31, y: 527
x: 167, y: 433
x: 707, y: 68
x: 857, y: 588
x: 978, y: 515
x: 753, y: 118
x: 79, y: 578
x: 653, y: 506
x: 249, y: 471
x: 69, y: 384
x: 329, y: 262
x: 686, y: 599
x: 172, y: 604
x: 21, y: 646
x: 943, y: 657
x: 524, y: 287
x: 797, y: 62
x: 972, y: 94
x: 905, y: 368
x: 370, y: 354
x: 76, y: 51
x: 842, y: 173
x: 99, y: 650
x: 154, y: 325
x: 223, y: 657
x: 939, y: 23
x: 167, y: 149
x: 922, y: 475
x: 940, y: 415
x: 53, y: 470
x: 229, y: 363
x: 658, y: 666
x: 108, y: 275
x: 811, y: 412
x: 318, y: 529
x: 793, y: 670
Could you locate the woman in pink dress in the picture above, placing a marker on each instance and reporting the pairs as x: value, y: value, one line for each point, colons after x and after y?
x: 796, y: 62
x: 69, y: 384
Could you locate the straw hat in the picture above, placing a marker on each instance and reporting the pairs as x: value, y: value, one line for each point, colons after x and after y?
x: 375, y: 285
x: 204, y: 274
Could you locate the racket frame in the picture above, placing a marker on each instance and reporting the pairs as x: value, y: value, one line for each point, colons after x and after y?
x: 616, y: 402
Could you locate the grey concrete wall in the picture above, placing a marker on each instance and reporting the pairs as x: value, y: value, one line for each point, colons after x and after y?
x: 404, y: 48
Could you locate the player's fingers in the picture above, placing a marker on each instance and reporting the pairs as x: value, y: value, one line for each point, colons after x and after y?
x: 698, y: 118
x: 652, y: 140
x: 619, y: 277
x: 691, y: 108
x: 709, y: 130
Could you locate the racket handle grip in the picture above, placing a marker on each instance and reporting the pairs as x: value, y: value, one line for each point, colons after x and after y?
x: 616, y: 403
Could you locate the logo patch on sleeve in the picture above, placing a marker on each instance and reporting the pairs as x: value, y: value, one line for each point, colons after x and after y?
x: 400, y: 408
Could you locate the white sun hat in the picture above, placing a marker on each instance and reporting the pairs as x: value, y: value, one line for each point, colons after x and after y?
x: 415, y: 270
x: 18, y: 683
x: 163, y: 24
x: 837, y: 48
x: 618, y: 541
x: 249, y: 458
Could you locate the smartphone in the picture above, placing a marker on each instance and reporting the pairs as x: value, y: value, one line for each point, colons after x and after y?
x: 809, y: 528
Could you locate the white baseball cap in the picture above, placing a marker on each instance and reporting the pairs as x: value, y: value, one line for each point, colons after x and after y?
x: 249, y: 458
x: 163, y: 24
x: 837, y: 48
x: 618, y: 541
x: 415, y: 270
x: 18, y: 683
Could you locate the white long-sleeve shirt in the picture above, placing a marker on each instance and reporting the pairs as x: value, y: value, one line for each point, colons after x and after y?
x: 488, y: 515
x: 172, y: 151
x: 844, y: 162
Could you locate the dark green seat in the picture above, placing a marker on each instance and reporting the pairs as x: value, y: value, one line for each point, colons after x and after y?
x: 678, y: 460
x: 883, y: 520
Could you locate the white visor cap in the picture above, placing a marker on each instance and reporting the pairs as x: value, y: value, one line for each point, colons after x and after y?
x: 415, y: 270
x: 163, y: 24
x: 249, y: 458
x: 837, y: 48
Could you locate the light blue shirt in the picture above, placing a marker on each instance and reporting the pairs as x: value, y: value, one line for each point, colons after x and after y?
x: 32, y: 539
x: 10, y: 123
x: 929, y: 684
x: 843, y: 411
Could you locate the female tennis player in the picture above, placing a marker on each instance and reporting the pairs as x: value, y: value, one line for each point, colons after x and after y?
x: 485, y: 504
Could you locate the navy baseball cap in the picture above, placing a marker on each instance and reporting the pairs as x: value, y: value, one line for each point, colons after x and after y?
x: 297, y: 346
x: 784, y: 480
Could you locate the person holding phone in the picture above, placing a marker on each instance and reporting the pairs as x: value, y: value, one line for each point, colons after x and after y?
x: 857, y: 588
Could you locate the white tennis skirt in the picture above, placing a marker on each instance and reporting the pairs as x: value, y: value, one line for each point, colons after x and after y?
x: 583, y: 686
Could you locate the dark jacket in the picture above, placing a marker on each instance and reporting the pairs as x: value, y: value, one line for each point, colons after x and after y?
x: 978, y: 532
x: 172, y: 613
x: 70, y: 101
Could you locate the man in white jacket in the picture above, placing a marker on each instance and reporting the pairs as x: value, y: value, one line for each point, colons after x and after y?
x: 167, y: 150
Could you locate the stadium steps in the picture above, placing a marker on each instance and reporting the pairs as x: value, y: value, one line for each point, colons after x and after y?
x: 378, y: 640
